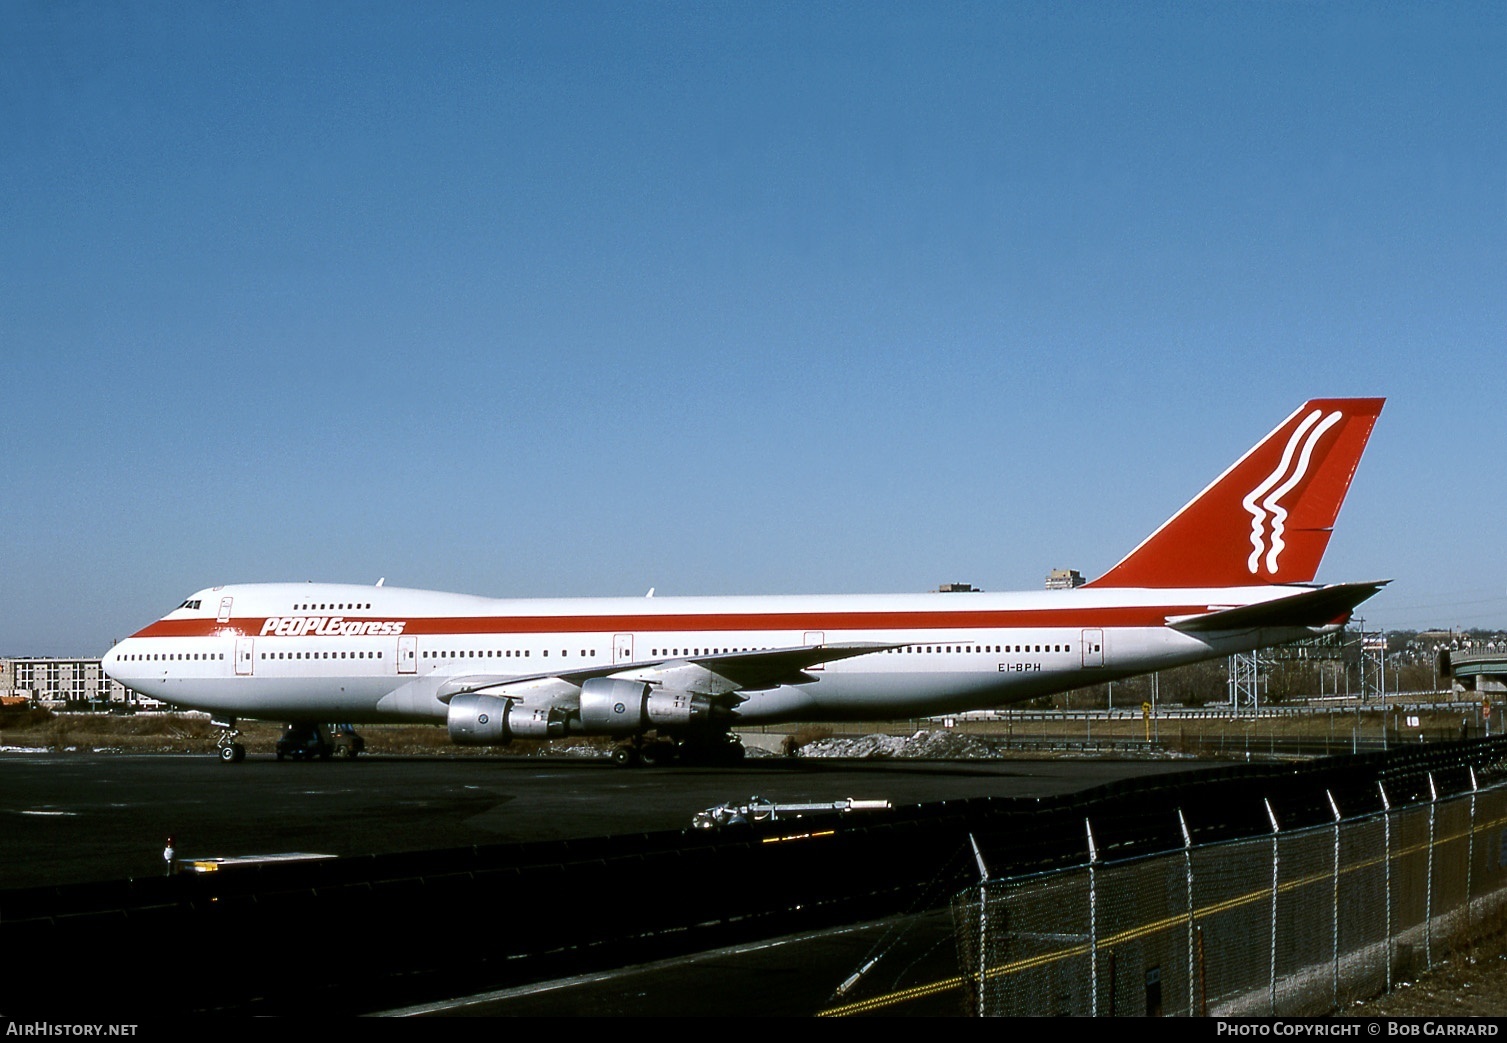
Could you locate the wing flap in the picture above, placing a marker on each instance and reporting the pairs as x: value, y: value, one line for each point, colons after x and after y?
x: 777, y: 666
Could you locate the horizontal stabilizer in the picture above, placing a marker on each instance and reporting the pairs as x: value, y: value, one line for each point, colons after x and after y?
x: 1320, y: 607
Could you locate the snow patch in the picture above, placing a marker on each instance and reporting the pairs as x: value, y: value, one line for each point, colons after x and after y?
x: 923, y: 745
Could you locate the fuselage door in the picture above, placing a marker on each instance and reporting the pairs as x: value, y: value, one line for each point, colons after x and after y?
x: 408, y: 655
x: 224, y: 616
x: 815, y: 637
x: 622, y: 648
x: 1093, y: 648
x: 245, y: 649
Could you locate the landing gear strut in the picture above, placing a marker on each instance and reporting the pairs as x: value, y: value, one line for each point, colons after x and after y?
x: 226, y: 748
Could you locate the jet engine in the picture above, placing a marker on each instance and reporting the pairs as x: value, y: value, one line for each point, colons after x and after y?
x: 614, y: 706
x: 486, y: 720
x: 609, y: 706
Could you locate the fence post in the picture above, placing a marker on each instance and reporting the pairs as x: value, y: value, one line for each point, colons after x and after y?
x: 1334, y: 920
x: 1182, y: 824
x: 1093, y: 921
x: 1386, y: 819
x: 1428, y: 898
x: 983, y: 925
x: 1203, y: 978
x: 1470, y: 861
x: 1272, y: 816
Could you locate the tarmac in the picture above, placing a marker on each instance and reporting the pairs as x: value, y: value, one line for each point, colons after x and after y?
x: 77, y: 817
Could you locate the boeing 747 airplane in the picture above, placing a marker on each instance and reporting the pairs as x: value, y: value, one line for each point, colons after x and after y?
x: 670, y: 677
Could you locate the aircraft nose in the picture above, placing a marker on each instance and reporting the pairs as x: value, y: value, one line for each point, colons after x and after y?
x: 112, y: 660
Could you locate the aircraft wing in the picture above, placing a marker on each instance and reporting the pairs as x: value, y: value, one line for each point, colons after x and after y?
x: 714, y: 674
x: 776, y: 666
x: 1319, y: 607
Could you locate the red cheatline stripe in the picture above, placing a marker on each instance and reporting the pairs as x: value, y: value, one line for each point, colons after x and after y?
x: 1142, y: 616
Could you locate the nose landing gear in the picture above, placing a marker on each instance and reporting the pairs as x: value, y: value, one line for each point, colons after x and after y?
x: 226, y: 748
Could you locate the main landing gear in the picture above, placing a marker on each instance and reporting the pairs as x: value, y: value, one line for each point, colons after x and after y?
x: 657, y: 751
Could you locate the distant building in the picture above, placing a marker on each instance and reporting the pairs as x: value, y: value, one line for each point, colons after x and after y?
x: 958, y: 588
x: 60, y: 683
x: 1064, y: 579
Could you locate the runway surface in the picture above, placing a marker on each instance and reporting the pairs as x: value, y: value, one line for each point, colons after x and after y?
x: 78, y: 817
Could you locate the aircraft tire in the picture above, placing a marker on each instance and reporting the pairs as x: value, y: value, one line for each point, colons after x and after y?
x: 656, y: 753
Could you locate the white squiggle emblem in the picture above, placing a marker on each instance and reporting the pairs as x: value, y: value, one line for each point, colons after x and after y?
x: 1266, y: 499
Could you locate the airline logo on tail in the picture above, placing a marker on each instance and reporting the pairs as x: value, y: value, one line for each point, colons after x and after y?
x: 1266, y: 499
x: 1268, y: 518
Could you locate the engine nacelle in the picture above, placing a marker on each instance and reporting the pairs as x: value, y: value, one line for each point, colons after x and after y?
x: 615, y: 706
x: 486, y: 720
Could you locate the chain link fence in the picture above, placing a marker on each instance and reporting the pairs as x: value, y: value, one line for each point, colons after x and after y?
x: 1294, y: 923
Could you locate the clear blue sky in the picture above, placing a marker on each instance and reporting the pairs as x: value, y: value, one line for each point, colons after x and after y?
x: 578, y: 299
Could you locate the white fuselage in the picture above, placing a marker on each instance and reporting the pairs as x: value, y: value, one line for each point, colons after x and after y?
x: 335, y: 652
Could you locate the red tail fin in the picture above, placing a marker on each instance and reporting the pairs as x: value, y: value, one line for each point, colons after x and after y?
x: 1268, y: 518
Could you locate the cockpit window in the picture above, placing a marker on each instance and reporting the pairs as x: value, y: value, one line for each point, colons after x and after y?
x: 190, y: 603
